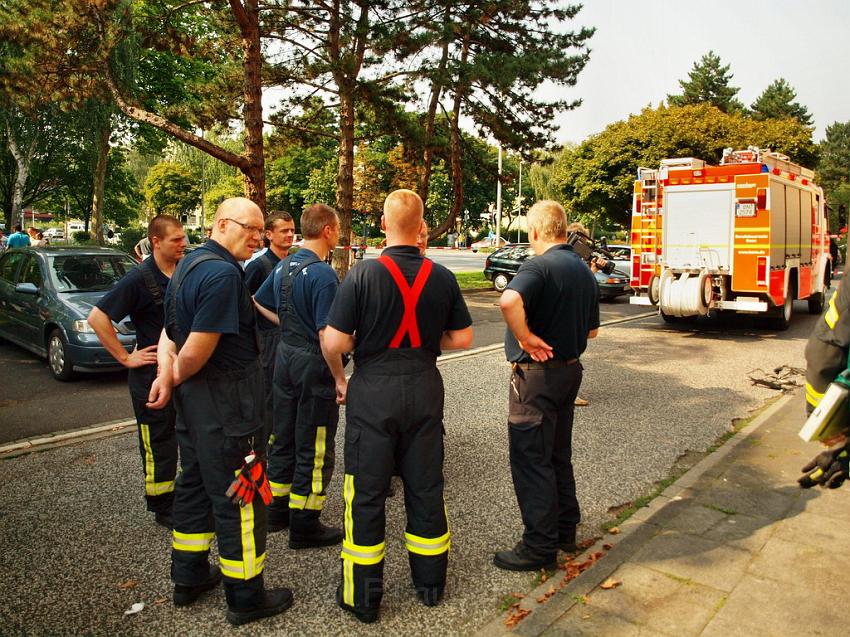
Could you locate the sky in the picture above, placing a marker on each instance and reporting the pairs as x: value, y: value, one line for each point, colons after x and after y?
x: 641, y: 49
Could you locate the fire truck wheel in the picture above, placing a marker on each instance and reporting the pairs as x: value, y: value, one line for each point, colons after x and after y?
x: 782, y: 319
x: 654, y: 289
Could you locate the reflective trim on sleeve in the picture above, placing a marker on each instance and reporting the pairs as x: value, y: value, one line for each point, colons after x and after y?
x: 427, y: 546
x: 280, y: 490
x: 363, y: 555
x: 319, y: 459
x: 831, y: 316
x: 311, y: 502
x: 813, y: 397
x: 191, y: 542
x: 239, y: 569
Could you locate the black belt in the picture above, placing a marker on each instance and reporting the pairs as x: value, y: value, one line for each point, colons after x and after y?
x: 553, y: 363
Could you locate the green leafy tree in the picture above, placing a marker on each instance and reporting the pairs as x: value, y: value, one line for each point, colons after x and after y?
x: 170, y: 189
x: 834, y: 166
x: 596, y: 178
x: 777, y: 102
x: 227, y: 186
x: 708, y: 81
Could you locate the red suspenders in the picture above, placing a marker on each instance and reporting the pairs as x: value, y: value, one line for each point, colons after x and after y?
x: 410, y: 296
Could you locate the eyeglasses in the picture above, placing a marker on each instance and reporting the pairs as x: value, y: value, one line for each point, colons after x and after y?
x: 246, y: 226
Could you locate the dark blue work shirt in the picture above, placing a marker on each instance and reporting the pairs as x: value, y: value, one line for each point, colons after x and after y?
x: 255, y: 274
x: 213, y: 298
x: 313, y: 291
x: 132, y: 296
x: 561, y: 300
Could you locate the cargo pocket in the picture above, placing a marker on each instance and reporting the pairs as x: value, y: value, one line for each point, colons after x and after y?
x: 325, y: 411
x: 352, y: 449
x: 521, y: 410
x: 240, y: 404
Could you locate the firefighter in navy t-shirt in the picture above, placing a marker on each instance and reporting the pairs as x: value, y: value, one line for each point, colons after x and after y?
x: 140, y: 295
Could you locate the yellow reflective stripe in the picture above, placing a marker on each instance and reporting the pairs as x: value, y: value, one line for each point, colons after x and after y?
x: 831, y: 316
x: 271, y: 440
x: 311, y: 502
x: 348, y: 526
x: 280, y: 490
x: 427, y: 546
x: 363, y: 555
x: 813, y: 397
x: 145, y: 432
x: 238, y: 569
x: 319, y: 459
x: 158, y: 488
x: 192, y: 542
x: 249, y: 549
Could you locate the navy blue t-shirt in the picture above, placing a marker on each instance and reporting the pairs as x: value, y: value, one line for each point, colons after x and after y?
x: 213, y: 298
x: 313, y: 290
x: 561, y: 300
x: 255, y: 274
x: 370, y: 305
x: 131, y: 296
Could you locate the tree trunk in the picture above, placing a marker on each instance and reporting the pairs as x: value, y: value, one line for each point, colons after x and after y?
x: 345, y: 179
x: 22, y: 161
x: 428, y: 153
x: 248, y: 17
x: 457, y: 168
x: 100, y: 178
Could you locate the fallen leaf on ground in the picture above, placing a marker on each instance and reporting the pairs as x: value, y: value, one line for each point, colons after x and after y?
x: 130, y: 583
x: 610, y: 583
x: 135, y: 608
x: 547, y: 594
x: 543, y: 575
x: 516, y: 616
x: 614, y: 530
x: 607, y: 547
x: 160, y: 601
x: 585, y: 544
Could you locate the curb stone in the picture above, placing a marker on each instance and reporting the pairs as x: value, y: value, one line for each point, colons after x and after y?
x: 634, y: 532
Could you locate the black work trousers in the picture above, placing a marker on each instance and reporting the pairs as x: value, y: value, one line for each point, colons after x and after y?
x: 540, y: 426
x: 157, y: 440
x: 268, y: 355
x: 394, y: 419
x: 219, y: 420
x: 301, y: 458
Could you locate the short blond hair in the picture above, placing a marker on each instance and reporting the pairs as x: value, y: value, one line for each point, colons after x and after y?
x: 549, y: 219
x: 403, y: 211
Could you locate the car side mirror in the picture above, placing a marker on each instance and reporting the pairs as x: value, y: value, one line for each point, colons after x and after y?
x: 26, y: 288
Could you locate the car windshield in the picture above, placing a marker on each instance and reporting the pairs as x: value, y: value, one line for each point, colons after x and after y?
x: 88, y: 272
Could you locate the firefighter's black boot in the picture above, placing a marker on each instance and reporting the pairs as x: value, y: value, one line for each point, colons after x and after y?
x: 278, y: 515
x: 365, y: 615
x: 567, y: 540
x: 521, y: 558
x: 185, y: 595
x: 249, y: 601
x: 306, y: 531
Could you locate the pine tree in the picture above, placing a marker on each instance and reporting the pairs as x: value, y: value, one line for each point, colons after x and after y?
x: 708, y: 81
x: 777, y: 101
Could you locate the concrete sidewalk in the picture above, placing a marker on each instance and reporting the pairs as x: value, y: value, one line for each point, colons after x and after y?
x: 734, y: 547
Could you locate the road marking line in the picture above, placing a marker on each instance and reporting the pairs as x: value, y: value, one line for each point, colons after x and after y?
x: 16, y: 448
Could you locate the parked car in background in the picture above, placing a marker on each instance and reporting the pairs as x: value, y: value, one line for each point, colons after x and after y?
x: 501, y: 266
x: 55, y: 233
x: 622, y: 258
x: 46, y: 295
x: 487, y: 243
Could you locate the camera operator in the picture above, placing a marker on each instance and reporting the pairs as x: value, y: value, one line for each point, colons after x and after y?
x: 551, y: 308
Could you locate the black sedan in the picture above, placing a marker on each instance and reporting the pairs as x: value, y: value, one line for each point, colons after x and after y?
x: 502, y: 265
x: 45, y: 297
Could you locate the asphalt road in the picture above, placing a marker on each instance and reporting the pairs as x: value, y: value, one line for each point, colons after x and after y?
x: 81, y: 549
x: 454, y: 260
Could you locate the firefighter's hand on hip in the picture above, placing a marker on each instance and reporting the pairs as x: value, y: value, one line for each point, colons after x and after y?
x: 537, y: 348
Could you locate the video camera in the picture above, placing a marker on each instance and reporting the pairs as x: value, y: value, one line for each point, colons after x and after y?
x: 591, y: 252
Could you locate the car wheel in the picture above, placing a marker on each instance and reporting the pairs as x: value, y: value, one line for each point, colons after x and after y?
x: 57, y: 356
x: 500, y: 282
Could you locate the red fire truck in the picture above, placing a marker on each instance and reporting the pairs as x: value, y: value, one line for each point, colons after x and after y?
x: 749, y: 235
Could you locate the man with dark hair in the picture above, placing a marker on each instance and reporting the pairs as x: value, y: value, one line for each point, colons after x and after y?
x: 209, y: 355
x: 551, y: 308
x: 397, y: 313
x: 18, y: 239
x: 278, y: 236
x: 140, y: 294
x: 298, y: 297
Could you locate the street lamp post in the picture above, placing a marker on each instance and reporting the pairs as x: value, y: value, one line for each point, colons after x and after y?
x: 499, y: 200
x: 519, y: 204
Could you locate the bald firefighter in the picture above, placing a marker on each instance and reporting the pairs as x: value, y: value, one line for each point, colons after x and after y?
x: 397, y: 313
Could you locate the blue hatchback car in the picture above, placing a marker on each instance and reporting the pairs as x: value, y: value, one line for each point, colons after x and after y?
x: 45, y: 296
